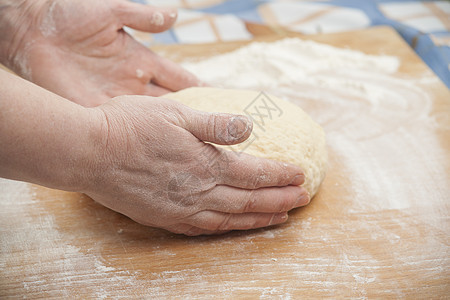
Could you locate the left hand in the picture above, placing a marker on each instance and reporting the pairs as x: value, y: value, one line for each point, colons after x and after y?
x: 79, y: 49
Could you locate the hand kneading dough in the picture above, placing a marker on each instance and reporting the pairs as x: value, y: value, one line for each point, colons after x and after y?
x: 282, y: 131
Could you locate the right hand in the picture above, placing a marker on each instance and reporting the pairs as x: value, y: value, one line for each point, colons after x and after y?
x: 155, y: 167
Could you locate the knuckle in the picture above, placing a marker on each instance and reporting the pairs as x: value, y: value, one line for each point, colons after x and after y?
x: 271, y: 220
x: 212, y: 125
x: 213, y: 162
x: 185, y: 189
x: 282, y: 174
x: 260, y: 179
x: 224, y: 224
x: 285, y: 177
x: 250, y: 202
x: 254, y: 182
x: 251, y: 222
x: 284, y: 204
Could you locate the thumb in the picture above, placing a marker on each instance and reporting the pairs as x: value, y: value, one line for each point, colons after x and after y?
x: 145, y: 17
x: 219, y: 128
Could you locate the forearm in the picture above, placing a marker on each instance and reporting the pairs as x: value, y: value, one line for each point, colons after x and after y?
x: 45, y: 139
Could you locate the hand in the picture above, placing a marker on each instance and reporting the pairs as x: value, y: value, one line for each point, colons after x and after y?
x: 156, y: 168
x: 79, y: 50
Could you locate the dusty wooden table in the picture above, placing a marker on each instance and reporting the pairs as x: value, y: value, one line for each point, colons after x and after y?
x: 379, y: 227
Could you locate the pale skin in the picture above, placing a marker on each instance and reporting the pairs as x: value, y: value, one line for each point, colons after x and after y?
x: 60, y: 44
x: 142, y: 156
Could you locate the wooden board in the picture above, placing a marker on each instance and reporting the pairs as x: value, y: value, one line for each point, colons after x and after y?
x: 379, y: 227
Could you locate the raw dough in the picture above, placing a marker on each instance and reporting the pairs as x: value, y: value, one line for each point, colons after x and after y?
x: 281, y: 130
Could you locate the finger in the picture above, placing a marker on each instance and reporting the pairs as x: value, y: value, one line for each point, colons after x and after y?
x: 245, y: 171
x: 265, y: 200
x: 218, y: 128
x: 154, y: 90
x: 144, y: 17
x: 218, y: 221
x: 172, y: 76
x: 195, y: 231
x: 190, y: 230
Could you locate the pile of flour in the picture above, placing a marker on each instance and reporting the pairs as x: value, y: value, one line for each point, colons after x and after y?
x: 335, y: 86
x: 290, y: 61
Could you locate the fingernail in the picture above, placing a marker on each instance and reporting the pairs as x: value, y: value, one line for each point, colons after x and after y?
x: 303, y: 199
x: 278, y: 218
x: 298, y: 179
x: 238, y: 127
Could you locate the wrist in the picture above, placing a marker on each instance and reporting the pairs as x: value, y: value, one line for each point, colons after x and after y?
x: 86, y: 156
x: 102, y: 158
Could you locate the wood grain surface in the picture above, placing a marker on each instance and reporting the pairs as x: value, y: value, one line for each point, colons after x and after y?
x: 378, y: 228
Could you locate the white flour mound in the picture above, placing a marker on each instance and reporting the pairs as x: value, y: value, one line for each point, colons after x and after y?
x: 262, y: 66
x: 335, y: 86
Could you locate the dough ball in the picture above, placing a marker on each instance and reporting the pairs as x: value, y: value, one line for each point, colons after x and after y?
x: 281, y: 130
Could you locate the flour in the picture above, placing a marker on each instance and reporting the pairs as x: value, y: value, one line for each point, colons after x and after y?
x: 354, y: 96
x: 48, y: 25
x: 50, y: 262
x: 340, y: 246
x: 139, y: 73
x: 343, y: 80
x: 289, y: 61
x: 157, y: 19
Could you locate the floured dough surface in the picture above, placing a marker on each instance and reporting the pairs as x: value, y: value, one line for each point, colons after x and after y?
x: 281, y: 130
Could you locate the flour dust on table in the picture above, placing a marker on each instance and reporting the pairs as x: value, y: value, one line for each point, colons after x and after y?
x: 322, y: 76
